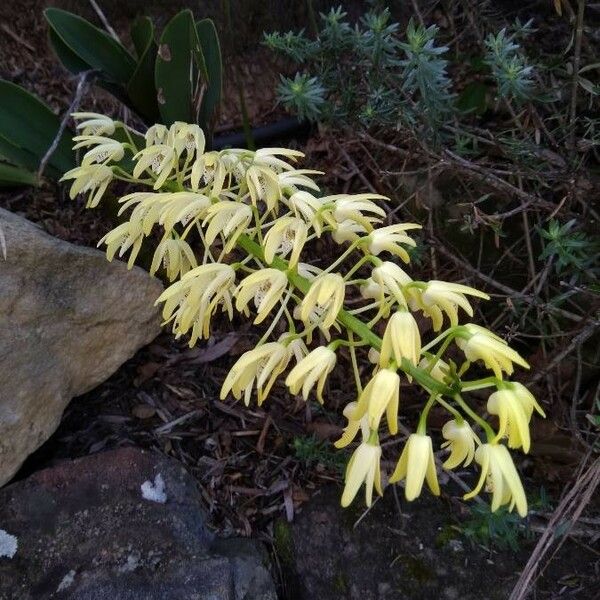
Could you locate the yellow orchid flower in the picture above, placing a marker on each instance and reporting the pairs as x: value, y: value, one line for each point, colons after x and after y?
x: 94, y: 123
x: 481, y: 344
x: 380, y: 395
x: 190, y: 302
x: 443, y: 297
x: 526, y: 398
x: 347, y: 231
x: 160, y: 159
x: 354, y: 426
x: 358, y: 208
x: 175, y: 255
x: 324, y: 300
x: 417, y: 465
x: 210, y: 168
x: 287, y: 235
x: 390, y: 279
x: 502, y: 478
x: 363, y: 467
x: 128, y: 235
x: 390, y: 239
x: 105, y: 149
x: 182, y: 208
x: 263, y: 184
x: 261, y: 365
x: 401, y: 340
x: 156, y: 135
x: 187, y: 137
x: 312, y: 369
x: 229, y: 219
x: 461, y: 442
x: 513, y: 420
x: 90, y: 178
x: 304, y: 205
x: 265, y: 287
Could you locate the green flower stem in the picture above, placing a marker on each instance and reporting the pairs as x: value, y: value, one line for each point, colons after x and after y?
x: 342, y: 257
x: 479, y: 384
x: 489, y: 432
x: 422, y: 425
x: 346, y: 319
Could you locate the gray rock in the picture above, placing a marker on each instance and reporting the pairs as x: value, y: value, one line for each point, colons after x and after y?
x: 68, y: 320
x: 85, y: 532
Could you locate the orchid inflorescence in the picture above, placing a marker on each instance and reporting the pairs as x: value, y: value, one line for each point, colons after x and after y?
x: 252, y: 214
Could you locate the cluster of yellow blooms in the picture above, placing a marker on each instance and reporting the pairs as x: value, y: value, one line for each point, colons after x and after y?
x: 253, y: 213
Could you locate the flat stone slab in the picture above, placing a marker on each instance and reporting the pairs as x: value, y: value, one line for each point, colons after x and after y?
x: 85, y: 531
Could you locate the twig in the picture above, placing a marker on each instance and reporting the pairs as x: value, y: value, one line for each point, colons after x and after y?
x: 505, y: 289
x: 575, y: 82
x: 81, y: 83
x: 581, y: 337
x: 418, y: 13
x: 567, y: 512
x: 104, y: 20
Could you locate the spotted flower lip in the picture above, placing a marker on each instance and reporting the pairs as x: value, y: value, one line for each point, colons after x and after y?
x: 312, y: 370
x: 265, y: 287
x: 286, y: 236
x: 498, y: 470
x: 94, y: 123
x: 160, y: 159
x: 324, y: 300
x: 417, y: 465
x: 363, y: 467
x: 175, y: 255
x: 228, y: 219
x: 263, y: 184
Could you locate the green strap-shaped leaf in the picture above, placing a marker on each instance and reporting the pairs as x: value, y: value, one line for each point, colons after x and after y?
x: 29, y: 127
x: 141, y: 89
x: 142, y: 31
x: 211, y: 49
x: 92, y: 45
x: 10, y: 175
x: 172, y: 74
x: 67, y: 57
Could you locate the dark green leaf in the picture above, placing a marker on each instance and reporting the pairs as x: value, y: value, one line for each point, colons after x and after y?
x: 28, y: 127
x: 172, y: 73
x: 67, y: 57
x: 141, y: 89
x: 92, y: 45
x: 11, y: 175
x: 142, y: 33
x: 211, y: 50
x: 473, y: 98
